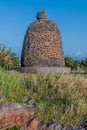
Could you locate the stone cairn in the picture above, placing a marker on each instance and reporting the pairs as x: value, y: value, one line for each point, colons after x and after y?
x: 42, y: 45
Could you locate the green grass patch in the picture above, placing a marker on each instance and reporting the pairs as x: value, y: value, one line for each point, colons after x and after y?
x: 60, y: 97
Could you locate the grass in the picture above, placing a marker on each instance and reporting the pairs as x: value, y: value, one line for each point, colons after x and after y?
x: 60, y: 97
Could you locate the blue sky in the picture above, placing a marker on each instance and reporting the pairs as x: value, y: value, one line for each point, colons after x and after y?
x: 69, y: 15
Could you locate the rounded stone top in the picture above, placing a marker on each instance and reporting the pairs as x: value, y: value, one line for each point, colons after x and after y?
x: 41, y: 15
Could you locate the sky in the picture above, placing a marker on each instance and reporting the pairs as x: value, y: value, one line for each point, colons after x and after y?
x: 69, y: 15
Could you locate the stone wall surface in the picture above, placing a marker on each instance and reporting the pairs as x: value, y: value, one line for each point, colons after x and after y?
x: 42, y: 44
x: 14, y: 114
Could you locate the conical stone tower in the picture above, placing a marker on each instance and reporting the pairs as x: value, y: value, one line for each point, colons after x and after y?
x: 42, y: 45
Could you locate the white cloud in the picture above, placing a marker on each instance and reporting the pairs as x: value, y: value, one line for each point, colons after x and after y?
x: 78, y: 53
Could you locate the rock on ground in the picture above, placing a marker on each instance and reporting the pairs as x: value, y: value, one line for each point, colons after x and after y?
x: 14, y: 114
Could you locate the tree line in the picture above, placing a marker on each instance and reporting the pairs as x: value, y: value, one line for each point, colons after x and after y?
x: 75, y: 64
x: 10, y: 60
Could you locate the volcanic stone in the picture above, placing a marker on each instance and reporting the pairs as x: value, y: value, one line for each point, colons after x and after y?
x: 42, y: 44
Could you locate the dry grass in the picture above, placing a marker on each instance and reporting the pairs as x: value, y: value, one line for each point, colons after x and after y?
x: 60, y: 97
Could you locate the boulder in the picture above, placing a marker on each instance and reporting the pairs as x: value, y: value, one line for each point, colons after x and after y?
x: 14, y: 114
